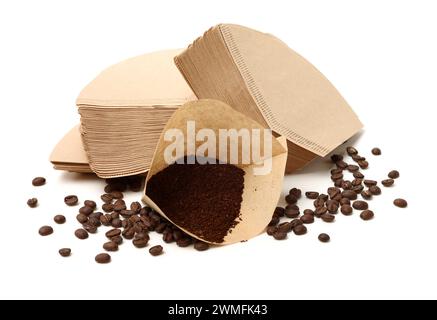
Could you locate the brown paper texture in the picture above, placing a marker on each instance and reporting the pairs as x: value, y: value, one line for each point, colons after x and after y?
x: 261, y: 193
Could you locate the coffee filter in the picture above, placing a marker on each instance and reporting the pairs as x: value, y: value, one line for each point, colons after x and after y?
x: 261, y: 192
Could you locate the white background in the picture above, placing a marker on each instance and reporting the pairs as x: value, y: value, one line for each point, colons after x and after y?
x: 381, y: 55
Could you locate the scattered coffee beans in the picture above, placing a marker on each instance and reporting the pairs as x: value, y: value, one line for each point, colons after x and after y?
x: 201, y: 246
x: 86, y: 210
x: 401, y: 203
x: 323, y: 237
x: 346, y: 209
x: 65, y: 252
x: 103, y: 258
x: 38, y: 181
x: 279, y: 235
x: 360, y: 205
x: 351, y: 151
x: 394, y: 174
x: 299, y: 230
x: 45, y: 231
x: 71, y: 200
x: 59, y: 219
x: 33, y: 202
x: 328, y: 217
x: 387, y: 182
x: 307, y: 218
x: 376, y: 151
x: 366, y: 194
x: 375, y: 190
x: 156, y: 250
x: 367, y: 215
x: 369, y: 183
x: 90, y: 203
x: 311, y: 195
x: 110, y: 246
x: 81, y: 234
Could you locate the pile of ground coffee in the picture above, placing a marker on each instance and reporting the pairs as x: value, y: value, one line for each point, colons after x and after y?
x: 204, y: 199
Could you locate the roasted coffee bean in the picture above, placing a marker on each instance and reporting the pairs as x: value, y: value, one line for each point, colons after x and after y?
x: 110, y: 246
x: 356, y: 182
x: 366, y: 194
x: 59, y: 219
x: 273, y: 222
x: 349, y: 194
x: 363, y: 164
x: 290, y: 199
x: 81, y: 218
x: 128, y: 234
x: 126, y: 213
x: 367, y: 215
x: 375, y: 190
x: 311, y: 195
x: 81, y: 234
x: 117, y: 195
x: 96, y: 215
x: 352, y: 168
x: 295, y: 222
x: 177, y: 234
x: 307, y: 218
x: 344, y: 201
x: 86, y: 210
x: 201, y: 246
x: 319, y: 203
x: 135, y: 207
x: 309, y: 211
x: 116, y: 223
x: 33, y: 202
x: 115, y: 215
x: 45, y: 231
x: 156, y: 250
x: 336, y: 171
x: 279, y: 212
x: 328, y: 217
x: 119, y: 206
x: 336, y: 157
x: 270, y: 230
x: 376, y: 151
x: 320, y: 211
x: 90, y: 203
x: 369, y: 183
x: 357, y: 158
x: 358, y: 189
x: 285, y: 227
x: 161, y: 227
x: 65, y: 252
x: 103, y: 258
x: 278, y: 235
x: 38, y: 181
x: 297, y: 193
x: 71, y: 200
x: 360, y: 205
x: 134, y: 219
x: 346, y: 209
x: 401, y: 203
x: 323, y: 237
x: 338, y: 183
x: 118, y: 239
x: 143, y: 235
x: 337, y: 176
x: 108, y: 207
x: 341, y: 164
x: 346, y: 185
x: 332, y: 207
x: 94, y: 222
x: 106, y: 198
x: 90, y: 228
x: 388, y: 182
x: 333, y: 191
x: 323, y: 196
x: 292, y: 212
x: 300, y: 230
x: 358, y: 175
x: 112, y: 233
x: 106, y: 219
x: 394, y: 174
x: 351, y: 151
x: 184, y: 242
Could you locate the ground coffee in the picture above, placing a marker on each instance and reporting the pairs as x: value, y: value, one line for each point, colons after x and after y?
x: 204, y: 199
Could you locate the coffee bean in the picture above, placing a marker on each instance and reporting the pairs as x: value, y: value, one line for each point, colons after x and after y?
x: 292, y: 212
x: 115, y: 215
x: 328, y: 217
x: 338, y: 183
x: 307, y: 218
x: 65, y: 252
x: 90, y: 203
x: 81, y: 218
x: 300, y: 230
x: 352, y: 168
x: 278, y: 235
x: 311, y: 195
x: 86, y: 210
x: 309, y: 211
x: 285, y: 227
x: 349, y: 194
x: 184, y: 242
x: 94, y: 222
x: 177, y: 234
x: 366, y: 194
x: 45, y: 231
x: 344, y: 201
x: 108, y: 207
x: 96, y: 215
x: 279, y: 212
x: 81, y: 234
x: 375, y: 190
x: 156, y: 250
x: 336, y: 171
x: 323, y: 197
x: 358, y: 175
x: 369, y: 183
x: 336, y: 157
x: 394, y: 174
x: 351, y: 151
x: 273, y: 222
x: 367, y: 215
x: 116, y: 223
x: 118, y: 239
x: 71, y: 200
x: 357, y: 158
x: 106, y: 198
x: 117, y: 195
x: 33, y: 202
x: 135, y: 207
x: 346, y: 185
x: 142, y: 236
x: 356, y: 182
x: 112, y: 233
x: 332, y: 207
x: 110, y: 246
x: 319, y: 203
x: 290, y: 199
x: 376, y: 151
x: 337, y: 176
x: 360, y: 205
x: 401, y: 203
x: 320, y: 211
x: 297, y: 193
x: 323, y: 237
x: 90, y: 228
x: 128, y: 234
x: 201, y: 246
x: 295, y: 222
x: 346, y: 209
x: 38, y: 181
x: 387, y: 182
x: 270, y: 230
x: 119, y: 206
x: 103, y: 258
x: 363, y: 164
x: 333, y: 191
x: 358, y: 189
x: 341, y: 164
x: 59, y: 219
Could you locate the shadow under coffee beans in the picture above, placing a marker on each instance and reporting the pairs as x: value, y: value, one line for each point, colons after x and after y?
x: 204, y: 199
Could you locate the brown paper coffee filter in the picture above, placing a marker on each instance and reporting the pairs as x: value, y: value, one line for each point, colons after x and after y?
x: 261, y: 192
